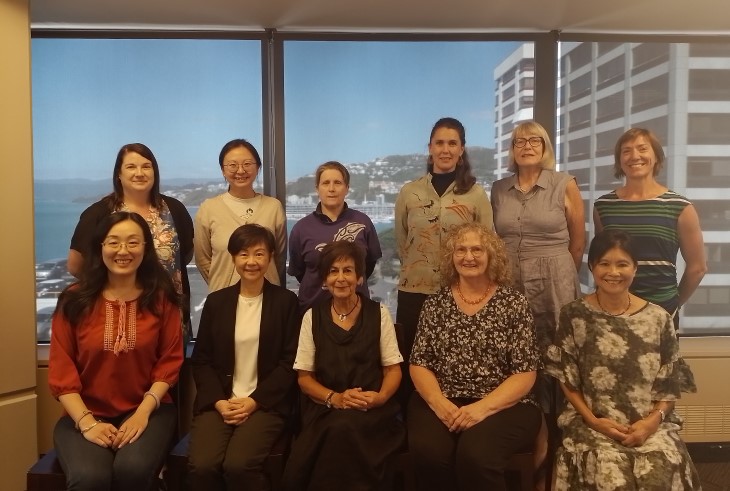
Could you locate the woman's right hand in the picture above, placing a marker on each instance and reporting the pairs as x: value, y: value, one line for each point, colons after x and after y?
x: 445, y: 410
x: 610, y: 428
x: 101, y: 434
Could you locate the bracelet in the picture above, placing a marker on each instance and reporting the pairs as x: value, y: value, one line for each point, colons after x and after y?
x: 328, y: 399
x: 83, y: 415
x: 154, y: 396
x: 662, y: 414
x: 96, y: 422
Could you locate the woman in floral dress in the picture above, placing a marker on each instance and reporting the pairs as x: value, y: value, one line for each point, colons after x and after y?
x: 617, y: 359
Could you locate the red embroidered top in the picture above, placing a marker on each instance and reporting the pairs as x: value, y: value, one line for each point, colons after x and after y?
x: 82, y: 359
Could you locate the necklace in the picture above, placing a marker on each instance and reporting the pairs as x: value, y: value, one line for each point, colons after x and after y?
x: 342, y: 317
x: 609, y: 313
x: 472, y: 302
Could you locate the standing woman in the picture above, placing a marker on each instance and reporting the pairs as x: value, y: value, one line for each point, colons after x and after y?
x: 661, y: 222
x: 425, y: 210
x: 116, y: 348
x: 243, y: 369
x: 218, y: 217
x: 136, y: 181
x: 539, y: 215
x: 331, y: 221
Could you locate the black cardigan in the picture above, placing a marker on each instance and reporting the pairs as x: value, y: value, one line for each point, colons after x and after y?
x: 214, y: 356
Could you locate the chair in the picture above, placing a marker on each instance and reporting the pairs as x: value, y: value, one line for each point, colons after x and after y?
x: 46, y: 474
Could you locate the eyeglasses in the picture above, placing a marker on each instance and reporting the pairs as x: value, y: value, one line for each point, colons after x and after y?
x: 115, y: 245
x: 535, y: 141
x: 475, y: 251
x: 234, y: 166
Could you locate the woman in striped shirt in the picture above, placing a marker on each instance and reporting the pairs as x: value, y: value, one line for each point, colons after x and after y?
x: 661, y: 221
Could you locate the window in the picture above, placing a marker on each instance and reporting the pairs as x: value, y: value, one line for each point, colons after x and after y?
x: 356, y: 93
x: 182, y: 98
x: 696, y: 142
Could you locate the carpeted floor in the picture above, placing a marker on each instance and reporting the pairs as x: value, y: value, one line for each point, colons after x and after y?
x: 713, y: 465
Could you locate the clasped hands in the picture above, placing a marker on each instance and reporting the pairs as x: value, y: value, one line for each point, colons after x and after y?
x: 108, y: 436
x: 633, y: 435
x: 236, y: 410
x: 358, y: 399
x: 458, y: 419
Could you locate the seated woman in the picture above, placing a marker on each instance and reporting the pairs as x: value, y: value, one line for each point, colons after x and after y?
x: 348, y: 363
x: 473, y: 365
x: 242, y: 365
x: 617, y: 359
x: 116, y: 348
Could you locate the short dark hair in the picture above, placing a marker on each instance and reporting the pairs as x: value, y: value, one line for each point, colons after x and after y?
x: 144, y: 151
x: 341, y: 249
x: 332, y: 165
x: 250, y: 235
x: 607, y: 240
x: 631, y: 135
x: 237, y: 143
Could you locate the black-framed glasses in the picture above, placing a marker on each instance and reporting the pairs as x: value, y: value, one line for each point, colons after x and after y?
x: 248, y: 166
x: 534, y: 141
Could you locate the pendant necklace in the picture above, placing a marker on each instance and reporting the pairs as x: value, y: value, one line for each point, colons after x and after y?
x: 342, y: 317
x: 472, y: 302
x: 598, y: 300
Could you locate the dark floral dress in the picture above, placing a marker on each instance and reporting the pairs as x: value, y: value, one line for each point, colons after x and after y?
x: 620, y: 364
x: 471, y: 355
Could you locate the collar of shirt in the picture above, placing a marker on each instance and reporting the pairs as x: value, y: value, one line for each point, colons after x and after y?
x: 325, y: 219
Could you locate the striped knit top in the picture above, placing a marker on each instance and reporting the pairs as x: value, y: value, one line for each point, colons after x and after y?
x: 652, y: 224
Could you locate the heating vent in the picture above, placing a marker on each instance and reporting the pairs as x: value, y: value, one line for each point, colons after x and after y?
x: 705, y: 423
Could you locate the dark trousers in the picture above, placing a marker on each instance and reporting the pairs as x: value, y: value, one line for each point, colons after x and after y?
x: 223, y: 456
x: 133, y: 467
x: 474, y: 459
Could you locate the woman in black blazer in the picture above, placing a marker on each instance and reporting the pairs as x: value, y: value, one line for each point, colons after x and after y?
x: 242, y: 366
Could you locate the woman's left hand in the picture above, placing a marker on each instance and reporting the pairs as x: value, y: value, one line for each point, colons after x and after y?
x: 639, y: 432
x: 130, y: 430
x: 469, y: 415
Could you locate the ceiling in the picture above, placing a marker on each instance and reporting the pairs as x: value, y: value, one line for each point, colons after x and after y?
x: 570, y: 16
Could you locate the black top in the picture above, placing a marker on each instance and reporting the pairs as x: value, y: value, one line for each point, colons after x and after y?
x: 346, y: 359
x: 441, y: 182
x: 214, y: 357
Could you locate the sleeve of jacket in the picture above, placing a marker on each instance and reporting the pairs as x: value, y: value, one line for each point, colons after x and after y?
x: 277, y: 383
x: 207, y: 380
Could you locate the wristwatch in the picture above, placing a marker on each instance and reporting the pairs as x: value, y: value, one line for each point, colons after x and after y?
x: 328, y: 400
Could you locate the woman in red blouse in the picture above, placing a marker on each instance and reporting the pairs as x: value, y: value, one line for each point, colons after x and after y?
x: 116, y: 348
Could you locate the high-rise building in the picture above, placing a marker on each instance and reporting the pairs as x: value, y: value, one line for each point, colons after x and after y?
x: 680, y: 91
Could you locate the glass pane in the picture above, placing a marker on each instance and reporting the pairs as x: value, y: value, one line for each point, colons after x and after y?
x: 182, y: 98
x: 371, y: 106
x: 678, y: 91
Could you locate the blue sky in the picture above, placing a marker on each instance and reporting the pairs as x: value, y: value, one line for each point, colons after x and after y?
x: 347, y: 101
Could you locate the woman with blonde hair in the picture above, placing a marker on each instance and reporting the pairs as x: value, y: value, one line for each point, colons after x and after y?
x: 473, y: 364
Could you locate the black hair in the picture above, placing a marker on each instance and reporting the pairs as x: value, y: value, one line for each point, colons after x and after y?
x: 77, y: 300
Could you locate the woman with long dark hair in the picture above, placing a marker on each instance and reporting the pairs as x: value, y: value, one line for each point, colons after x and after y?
x: 116, y: 348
